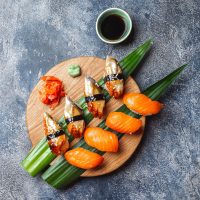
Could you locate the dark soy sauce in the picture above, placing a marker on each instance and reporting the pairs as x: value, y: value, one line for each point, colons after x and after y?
x: 112, y: 27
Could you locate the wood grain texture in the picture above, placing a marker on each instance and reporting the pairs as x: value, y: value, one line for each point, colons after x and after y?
x: 74, y: 87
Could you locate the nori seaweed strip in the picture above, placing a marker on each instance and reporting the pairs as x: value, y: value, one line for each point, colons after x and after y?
x: 73, y: 119
x: 113, y: 77
x: 55, y: 135
x: 94, y: 98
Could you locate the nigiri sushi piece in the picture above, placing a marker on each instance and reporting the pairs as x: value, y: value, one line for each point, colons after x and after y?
x: 94, y: 97
x: 57, y: 140
x: 141, y: 104
x: 101, y: 139
x: 123, y: 123
x: 74, y: 118
x: 83, y: 158
x: 114, y: 82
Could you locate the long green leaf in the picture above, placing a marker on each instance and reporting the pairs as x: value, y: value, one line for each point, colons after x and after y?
x: 61, y: 174
x: 156, y: 90
x: 41, y: 156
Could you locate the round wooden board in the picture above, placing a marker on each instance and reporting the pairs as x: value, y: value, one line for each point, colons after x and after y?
x: 74, y: 87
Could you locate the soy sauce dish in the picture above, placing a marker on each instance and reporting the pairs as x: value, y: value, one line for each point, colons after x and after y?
x: 113, y: 25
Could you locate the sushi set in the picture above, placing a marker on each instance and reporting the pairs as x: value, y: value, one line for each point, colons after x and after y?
x: 90, y: 121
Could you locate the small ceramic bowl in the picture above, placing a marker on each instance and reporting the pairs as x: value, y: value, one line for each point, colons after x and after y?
x: 116, y: 11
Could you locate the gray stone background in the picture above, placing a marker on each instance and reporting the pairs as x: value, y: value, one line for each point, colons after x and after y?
x: 36, y: 35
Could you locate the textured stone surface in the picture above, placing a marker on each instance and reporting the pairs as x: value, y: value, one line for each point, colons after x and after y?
x: 35, y: 35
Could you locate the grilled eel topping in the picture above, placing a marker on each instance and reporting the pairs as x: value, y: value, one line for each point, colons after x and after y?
x: 74, y: 118
x: 114, y: 82
x: 56, y: 137
x: 94, y: 97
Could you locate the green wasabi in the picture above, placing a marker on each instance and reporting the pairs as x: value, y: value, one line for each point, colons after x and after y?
x: 74, y: 70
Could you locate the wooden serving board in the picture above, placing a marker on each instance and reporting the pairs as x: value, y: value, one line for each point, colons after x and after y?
x: 74, y: 88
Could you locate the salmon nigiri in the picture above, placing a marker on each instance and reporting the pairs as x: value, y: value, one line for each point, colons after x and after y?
x: 141, y: 104
x: 123, y: 123
x: 83, y: 158
x: 101, y: 139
